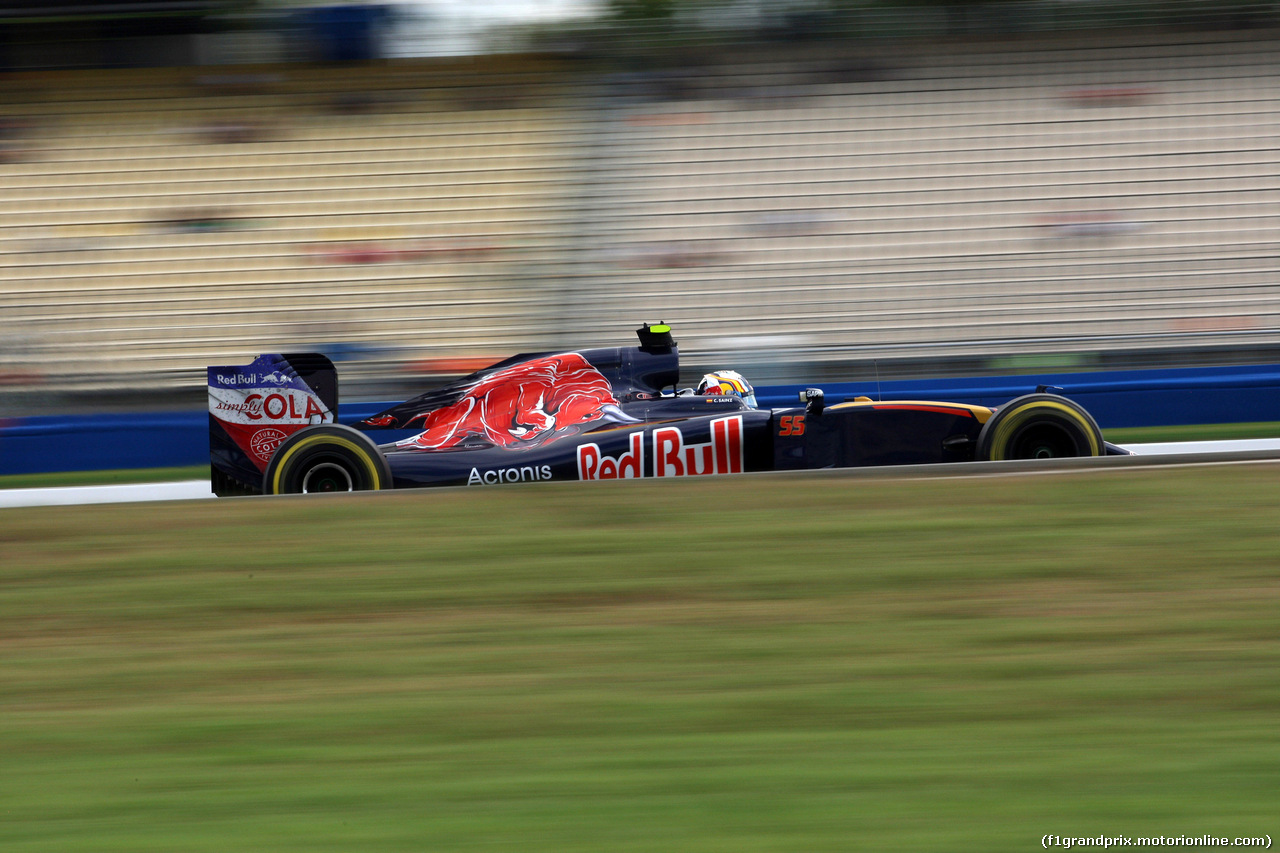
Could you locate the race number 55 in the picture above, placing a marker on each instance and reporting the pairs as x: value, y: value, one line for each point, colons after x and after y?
x: 791, y: 425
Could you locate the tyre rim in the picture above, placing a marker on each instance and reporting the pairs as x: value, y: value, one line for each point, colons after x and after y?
x: 327, y: 477
x: 1043, y: 441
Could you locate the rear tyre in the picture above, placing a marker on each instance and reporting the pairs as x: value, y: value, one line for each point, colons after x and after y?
x: 1040, y: 426
x: 326, y: 458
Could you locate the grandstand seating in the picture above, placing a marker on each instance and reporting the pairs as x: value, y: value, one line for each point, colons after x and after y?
x: 1053, y: 196
x: 155, y: 226
x: 1040, y: 196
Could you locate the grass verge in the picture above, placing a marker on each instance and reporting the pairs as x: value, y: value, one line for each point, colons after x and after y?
x: 757, y: 664
x: 103, y: 478
x: 1197, y: 432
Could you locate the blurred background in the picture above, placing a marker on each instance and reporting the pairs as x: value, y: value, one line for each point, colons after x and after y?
x: 809, y: 190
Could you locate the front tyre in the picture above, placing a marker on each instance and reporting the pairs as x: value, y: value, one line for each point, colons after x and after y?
x: 326, y: 458
x: 1040, y: 426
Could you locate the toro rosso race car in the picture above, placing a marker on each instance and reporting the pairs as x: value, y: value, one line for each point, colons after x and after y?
x: 594, y: 414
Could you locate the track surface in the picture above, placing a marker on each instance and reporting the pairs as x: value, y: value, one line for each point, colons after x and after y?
x: 1199, y: 452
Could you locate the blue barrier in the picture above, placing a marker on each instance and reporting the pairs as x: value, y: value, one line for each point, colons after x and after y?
x: 1127, y: 398
x: 38, y: 445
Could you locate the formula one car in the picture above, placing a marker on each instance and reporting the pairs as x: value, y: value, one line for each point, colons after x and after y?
x: 594, y: 414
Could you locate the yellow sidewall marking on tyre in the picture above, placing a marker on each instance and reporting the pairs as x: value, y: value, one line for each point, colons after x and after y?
x: 360, y: 452
x: 1017, y: 416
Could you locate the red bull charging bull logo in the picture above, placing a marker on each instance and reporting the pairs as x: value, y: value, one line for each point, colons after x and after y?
x: 523, y: 406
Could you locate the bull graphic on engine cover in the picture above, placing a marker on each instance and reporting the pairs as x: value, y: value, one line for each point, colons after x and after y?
x: 527, y: 405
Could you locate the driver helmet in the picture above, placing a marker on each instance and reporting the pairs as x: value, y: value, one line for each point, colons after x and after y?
x: 728, y: 383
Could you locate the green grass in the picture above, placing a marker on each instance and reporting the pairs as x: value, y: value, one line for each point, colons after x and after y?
x: 753, y: 664
x: 103, y: 478
x: 1201, y: 432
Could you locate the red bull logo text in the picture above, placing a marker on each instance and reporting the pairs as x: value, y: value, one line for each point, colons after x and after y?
x: 672, y: 456
x: 629, y: 466
x: 721, y: 455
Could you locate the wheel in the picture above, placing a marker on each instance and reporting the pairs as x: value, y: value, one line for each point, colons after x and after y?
x: 1040, y: 426
x: 326, y: 458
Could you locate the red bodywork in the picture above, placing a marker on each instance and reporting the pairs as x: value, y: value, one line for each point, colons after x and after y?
x: 526, y: 405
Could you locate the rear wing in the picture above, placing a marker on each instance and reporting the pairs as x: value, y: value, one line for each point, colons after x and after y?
x: 256, y: 406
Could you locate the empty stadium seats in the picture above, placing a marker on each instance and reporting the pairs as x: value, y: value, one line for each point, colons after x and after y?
x: 1048, y: 195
